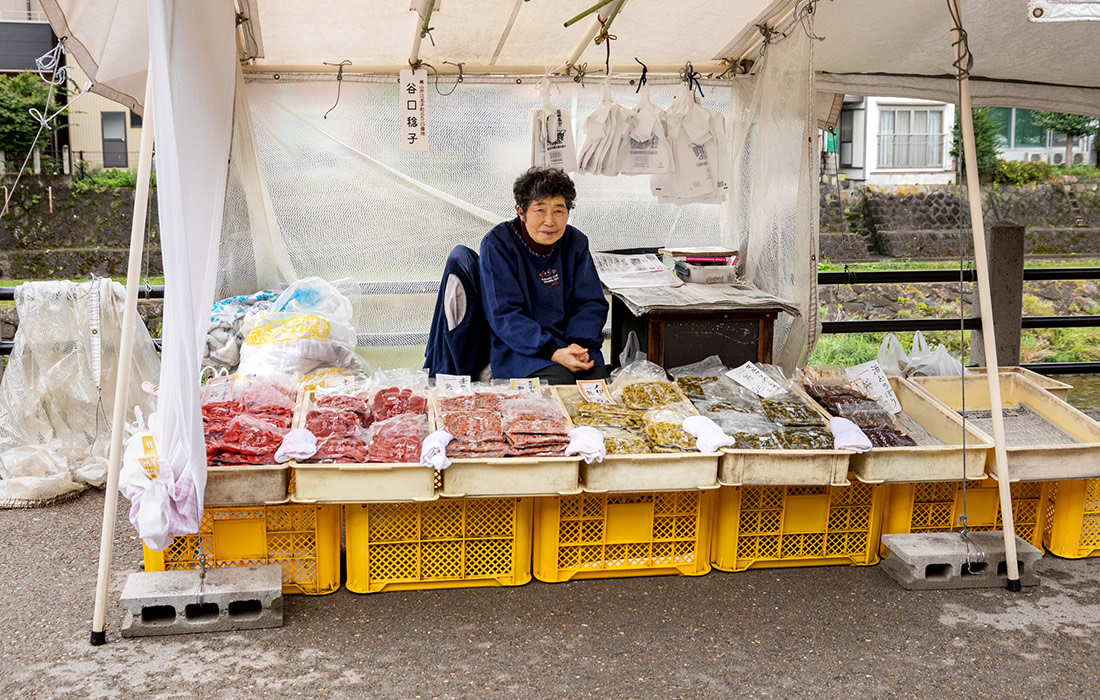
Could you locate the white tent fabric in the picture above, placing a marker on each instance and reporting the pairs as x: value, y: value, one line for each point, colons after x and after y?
x: 899, y: 40
x: 191, y: 47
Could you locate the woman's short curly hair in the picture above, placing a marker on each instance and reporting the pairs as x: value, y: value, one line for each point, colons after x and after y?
x: 543, y: 183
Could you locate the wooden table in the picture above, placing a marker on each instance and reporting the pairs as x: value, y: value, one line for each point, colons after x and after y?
x: 676, y: 337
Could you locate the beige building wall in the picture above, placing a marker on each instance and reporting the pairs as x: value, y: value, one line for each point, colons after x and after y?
x: 86, y: 125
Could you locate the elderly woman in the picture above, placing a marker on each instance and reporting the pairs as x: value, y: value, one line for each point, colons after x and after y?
x: 540, y: 292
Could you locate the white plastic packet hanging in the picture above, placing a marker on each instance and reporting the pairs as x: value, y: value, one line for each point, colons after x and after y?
x: 892, y: 356
x: 552, y: 134
x: 699, y: 152
x: 645, y: 148
x: 604, y: 130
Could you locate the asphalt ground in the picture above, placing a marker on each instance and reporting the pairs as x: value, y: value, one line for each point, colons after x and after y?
x: 820, y: 632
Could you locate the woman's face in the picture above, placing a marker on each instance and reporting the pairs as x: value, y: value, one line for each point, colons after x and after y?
x: 545, y: 219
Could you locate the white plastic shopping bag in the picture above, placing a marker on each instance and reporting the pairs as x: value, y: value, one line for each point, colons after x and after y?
x: 552, y: 135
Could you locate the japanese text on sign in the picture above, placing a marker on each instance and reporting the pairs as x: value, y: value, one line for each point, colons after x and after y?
x: 874, y: 381
x: 219, y: 389
x: 453, y: 384
x: 749, y: 376
x: 595, y: 390
x: 527, y: 385
x: 413, y: 97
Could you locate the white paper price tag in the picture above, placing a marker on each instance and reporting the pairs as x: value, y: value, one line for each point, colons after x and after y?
x: 752, y: 378
x: 219, y: 389
x: 527, y: 385
x: 874, y: 381
x: 453, y: 384
x: 413, y: 96
x: 595, y: 390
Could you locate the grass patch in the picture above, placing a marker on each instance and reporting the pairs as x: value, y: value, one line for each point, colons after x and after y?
x: 849, y: 349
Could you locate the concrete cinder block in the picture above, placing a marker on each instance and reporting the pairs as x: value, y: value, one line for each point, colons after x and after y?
x: 939, y: 560
x: 183, y: 602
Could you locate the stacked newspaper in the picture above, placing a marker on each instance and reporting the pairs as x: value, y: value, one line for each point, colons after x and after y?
x: 641, y: 300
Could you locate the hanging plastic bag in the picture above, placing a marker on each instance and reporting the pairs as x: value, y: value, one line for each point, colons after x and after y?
x: 699, y: 152
x: 631, y: 350
x: 937, y: 363
x: 891, y: 355
x: 552, y: 135
x: 645, y: 149
x: 604, y: 130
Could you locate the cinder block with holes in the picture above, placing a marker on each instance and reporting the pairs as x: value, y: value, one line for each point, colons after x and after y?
x: 183, y: 602
x: 941, y: 560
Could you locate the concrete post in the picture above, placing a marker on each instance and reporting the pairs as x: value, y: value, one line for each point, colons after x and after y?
x: 1006, y: 278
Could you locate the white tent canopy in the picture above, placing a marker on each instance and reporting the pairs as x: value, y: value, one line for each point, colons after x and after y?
x: 892, y: 47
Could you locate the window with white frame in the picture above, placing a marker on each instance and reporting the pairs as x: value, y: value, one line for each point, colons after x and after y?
x: 910, y: 138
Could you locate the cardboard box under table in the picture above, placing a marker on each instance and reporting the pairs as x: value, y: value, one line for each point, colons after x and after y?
x: 506, y: 476
x: 646, y: 473
x: 359, y: 482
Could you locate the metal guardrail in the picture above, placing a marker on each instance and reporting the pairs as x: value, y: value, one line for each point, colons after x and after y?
x: 823, y: 278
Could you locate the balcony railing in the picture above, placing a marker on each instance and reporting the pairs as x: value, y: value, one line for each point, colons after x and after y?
x: 910, y: 151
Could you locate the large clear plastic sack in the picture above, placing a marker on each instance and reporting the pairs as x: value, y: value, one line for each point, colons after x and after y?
x: 57, y: 395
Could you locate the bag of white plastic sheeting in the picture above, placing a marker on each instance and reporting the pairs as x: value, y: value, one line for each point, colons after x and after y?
x: 922, y: 361
x: 700, y: 154
x: 604, y: 131
x: 552, y: 135
x: 57, y: 394
x: 308, y: 328
x: 645, y: 148
x: 223, y: 339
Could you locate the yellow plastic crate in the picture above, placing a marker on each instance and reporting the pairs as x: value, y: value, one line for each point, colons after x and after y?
x: 1072, y: 527
x: 783, y: 526
x: 610, y: 535
x: 449, y: 543
x: 936, y: 507
x: 304, y: 540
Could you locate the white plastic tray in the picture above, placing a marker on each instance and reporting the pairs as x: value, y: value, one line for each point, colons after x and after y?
x: 1059, y: 389
x: 926, y: 462
x: 1030, y: 462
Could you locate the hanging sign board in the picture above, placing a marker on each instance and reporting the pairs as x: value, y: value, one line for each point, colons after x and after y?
x: 413, y: 96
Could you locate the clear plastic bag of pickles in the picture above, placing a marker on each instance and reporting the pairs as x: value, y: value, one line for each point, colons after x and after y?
x: 642, y: 385
x: 664, y: 428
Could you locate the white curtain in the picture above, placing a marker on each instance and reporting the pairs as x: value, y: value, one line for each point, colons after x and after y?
x: 771, y: 213
x: 192, y: 52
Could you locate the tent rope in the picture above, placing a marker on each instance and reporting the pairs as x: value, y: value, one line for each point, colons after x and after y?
x: 339, y: 82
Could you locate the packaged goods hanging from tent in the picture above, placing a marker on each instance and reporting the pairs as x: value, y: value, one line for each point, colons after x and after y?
x: 552, y: 135
x: 57, y: 394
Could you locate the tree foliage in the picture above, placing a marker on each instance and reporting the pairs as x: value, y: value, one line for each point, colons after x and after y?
x: 1072, y: 125
x: 986, y: 144
x: 18, y: 94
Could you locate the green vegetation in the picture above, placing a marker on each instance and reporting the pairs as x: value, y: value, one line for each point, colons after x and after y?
x: 20, y: 93
x: 853, y: 348
x: 1016, y: 172
x: 986, y: 144
x: 98, y: 180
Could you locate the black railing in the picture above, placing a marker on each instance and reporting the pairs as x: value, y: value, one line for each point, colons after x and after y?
x: 830, y: 327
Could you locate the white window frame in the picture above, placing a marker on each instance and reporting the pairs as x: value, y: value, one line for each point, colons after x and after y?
x: 922, y: 150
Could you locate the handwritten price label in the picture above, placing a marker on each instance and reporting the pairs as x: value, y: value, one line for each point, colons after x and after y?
x: 529, y: 385
x: 877, y: 385
x: 453, y: 384
x: 595, y: 390
x: 752, y: 378
x: 219, y: 389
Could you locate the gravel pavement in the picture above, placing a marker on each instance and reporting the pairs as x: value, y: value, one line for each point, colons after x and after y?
x: 811, y: 632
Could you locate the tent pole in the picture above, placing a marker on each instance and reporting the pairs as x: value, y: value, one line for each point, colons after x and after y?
x: 970, y: 160
x: 125, y: 356
x: 422, y: 28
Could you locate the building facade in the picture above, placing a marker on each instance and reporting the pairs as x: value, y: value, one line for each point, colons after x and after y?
x: 895, y: 141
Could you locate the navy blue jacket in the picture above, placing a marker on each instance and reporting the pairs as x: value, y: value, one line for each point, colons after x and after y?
x: 536, y: 304
x: 463, y: 349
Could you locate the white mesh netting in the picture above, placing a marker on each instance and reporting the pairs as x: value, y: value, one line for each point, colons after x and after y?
x: 345, y: 202
x: 771, y: 213
x: 57, y: 394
